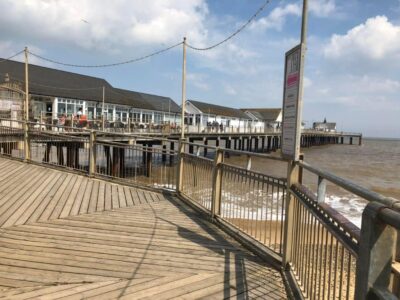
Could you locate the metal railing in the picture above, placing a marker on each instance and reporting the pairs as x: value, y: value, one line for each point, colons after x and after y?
x: 324, y: 254
x: 319, y: 248
x: 136, y: 164
x: 99, y: 154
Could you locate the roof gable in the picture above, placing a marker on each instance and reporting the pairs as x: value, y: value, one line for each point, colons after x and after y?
x: 218, y: 110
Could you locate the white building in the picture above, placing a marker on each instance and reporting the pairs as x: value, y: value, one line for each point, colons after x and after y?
x: 269, y: 118
x: 201, y: 116
x: 55, y: 92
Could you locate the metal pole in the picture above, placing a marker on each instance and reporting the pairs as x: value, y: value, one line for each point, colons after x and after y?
x: 183, y: 90
x: 27, y: 153
x: 304, y: 22
x: 102, y: 113
x: 26, y: 86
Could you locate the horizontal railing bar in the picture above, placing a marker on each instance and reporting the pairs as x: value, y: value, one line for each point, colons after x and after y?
x: 265, y: 178
x: 349, y: 185
x: 253, y: 154
x: 198, y: 157
x: 390, y: 217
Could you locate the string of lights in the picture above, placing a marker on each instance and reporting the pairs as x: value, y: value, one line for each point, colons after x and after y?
x: 106, y: 65
x: 241, y: 28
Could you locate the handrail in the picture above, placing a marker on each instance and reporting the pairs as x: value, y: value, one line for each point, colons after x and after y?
x: 351, y: 186
x: 239, y: 152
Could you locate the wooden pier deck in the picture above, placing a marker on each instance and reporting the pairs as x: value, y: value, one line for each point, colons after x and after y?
x: 66, y: 236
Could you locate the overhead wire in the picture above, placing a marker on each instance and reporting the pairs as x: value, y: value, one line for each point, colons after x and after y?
x: 105, y: 65
x: 241, y: 28
x: 12, y: 56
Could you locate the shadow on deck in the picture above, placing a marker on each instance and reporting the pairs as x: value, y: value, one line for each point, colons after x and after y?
x: 67, y: 236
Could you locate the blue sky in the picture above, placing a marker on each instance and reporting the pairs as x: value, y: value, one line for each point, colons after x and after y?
x: 352, y: 64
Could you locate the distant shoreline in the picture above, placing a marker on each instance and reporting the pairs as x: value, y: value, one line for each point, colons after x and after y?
x: 381, y: 138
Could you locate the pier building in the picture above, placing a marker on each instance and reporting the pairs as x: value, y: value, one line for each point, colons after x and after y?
x: 269, y: 117
x: 202, y: 116
x: 54, y: 92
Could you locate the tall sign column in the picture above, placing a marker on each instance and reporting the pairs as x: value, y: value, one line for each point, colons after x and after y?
x: 293, y: 94
x: 291, y: 129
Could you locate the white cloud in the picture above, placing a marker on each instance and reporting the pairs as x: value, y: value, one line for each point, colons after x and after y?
x: 277, y: 17
x: 322, y: 8
x: 376, y: 39
x: 307, y: 82
x: 104, y: 24
x: 230, y: 90
x: 198, y: 80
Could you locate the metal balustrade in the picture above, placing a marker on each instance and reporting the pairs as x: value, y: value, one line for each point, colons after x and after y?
x: 322, y: 253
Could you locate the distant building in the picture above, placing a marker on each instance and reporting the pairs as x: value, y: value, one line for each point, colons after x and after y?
x: 324, y: 126
x: 54, y: 92
x: 202, y: 115
x: 267, y: 117
x: 11, y: 99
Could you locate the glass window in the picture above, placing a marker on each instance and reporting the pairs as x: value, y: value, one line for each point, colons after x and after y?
x: 110, y: 114
x: 61, y: 108
x: 70, y: 109
x: 91, y: 113
x: 157, y: 118
x: 147, y: 118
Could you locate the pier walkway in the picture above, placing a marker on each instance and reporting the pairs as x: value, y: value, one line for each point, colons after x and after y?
x: 68, y: 236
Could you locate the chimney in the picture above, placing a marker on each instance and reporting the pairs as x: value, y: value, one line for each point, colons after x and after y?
x: 6, y: 78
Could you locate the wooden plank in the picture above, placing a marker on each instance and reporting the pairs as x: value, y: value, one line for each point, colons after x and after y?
x: 63, y: 198
x: 154, y: 291
x: 128, y: 196
x: 135, y: 196
x: 13, y: 201
x: 52, y: 204
x: 116, y: 286
x: 108, y: 198
x: 71, y: 198
x: 28, y: 204
x: 121, y: 196
x: 34, y: 210
x: 94, y: 197
x: 78, y: 198
x: 86, y: 197
x: 114, y: 196
x: 59, y: 294
x: 142, y: 198
x: 117, y: 290
x: 148, y: 246
x: 7, y: 188
x: 41, y: 292
x: 101, y: 197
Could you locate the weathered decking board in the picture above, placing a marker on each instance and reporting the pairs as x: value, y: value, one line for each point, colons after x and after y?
x: 65, y: 236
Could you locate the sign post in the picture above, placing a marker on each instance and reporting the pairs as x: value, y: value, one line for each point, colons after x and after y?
x: 293, y: 94
x: 292, y: 102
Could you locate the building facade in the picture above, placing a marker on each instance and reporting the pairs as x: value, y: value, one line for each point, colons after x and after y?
x: 54, y: 93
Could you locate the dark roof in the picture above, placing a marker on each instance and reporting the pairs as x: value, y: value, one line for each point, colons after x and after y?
x: 207, y: 108
x: 56, y: 83
x: 264, y: 114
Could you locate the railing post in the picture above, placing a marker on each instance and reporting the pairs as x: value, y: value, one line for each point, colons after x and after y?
x: 321, y: 189
x: 92, y: 153
x: 27, y: 144
x: 217, y: 182
x: 292, y: 178
x: 374, y: 262
x: 179, y: 183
